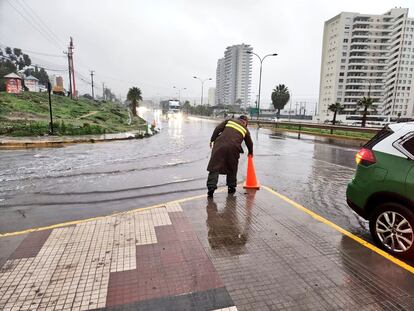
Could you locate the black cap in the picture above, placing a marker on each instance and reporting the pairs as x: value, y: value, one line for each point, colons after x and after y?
x: 243, y: 117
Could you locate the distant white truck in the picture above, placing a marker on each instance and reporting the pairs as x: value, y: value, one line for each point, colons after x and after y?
x: 174, y: 106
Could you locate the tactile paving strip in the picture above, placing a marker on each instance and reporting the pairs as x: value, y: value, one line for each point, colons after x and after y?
x: 142, y: 259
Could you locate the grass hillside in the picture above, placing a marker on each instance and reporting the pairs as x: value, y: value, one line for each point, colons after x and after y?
x: 27, y: 114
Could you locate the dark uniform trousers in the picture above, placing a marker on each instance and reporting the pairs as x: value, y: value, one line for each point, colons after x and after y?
x: 212, y: 180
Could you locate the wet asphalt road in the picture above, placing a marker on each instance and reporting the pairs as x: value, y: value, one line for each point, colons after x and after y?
x: 40, y: 187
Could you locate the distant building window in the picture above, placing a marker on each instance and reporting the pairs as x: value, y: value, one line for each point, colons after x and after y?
x: 345, y: 40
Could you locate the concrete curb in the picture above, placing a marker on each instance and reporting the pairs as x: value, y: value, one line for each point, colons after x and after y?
x: 50, y: 141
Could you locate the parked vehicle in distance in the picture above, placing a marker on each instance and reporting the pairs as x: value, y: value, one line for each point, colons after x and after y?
x: 382, y: 189
x: 58, y: 90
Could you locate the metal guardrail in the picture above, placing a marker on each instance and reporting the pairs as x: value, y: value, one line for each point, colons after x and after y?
x: 303, y: 125
x: 331, y: 128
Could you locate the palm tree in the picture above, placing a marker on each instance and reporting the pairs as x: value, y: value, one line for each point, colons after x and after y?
x: 335, y: 108
x: 365, y: 103
x: 134, y: 96
x: 280, y: 97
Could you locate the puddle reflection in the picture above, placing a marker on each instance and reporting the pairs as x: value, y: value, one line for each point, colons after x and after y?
x: 229, y: 226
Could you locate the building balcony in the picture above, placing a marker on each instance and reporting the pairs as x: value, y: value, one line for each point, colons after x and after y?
x: 394, y: 52
x: 368, y: 70
x: 357, y: 97
x: 365, y: 83
x: 375, y: 90
x: 369, y: 46
x: 358, y: 55
x: 369, y: 36
x: 368, y: 61
x: 368, y: 50
x: 362, y: 21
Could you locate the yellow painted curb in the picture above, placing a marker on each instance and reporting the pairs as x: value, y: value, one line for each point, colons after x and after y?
x: 343, y: 231
x: 281, y: 196
x: 75, y: 222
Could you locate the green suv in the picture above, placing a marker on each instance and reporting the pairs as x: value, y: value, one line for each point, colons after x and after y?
x: 382, y: 190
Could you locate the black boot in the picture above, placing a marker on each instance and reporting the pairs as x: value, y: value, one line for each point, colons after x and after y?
x: 210, y: 193
x: 231, y: 190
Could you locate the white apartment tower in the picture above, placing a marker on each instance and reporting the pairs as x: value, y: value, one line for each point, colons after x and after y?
x: 234, y: 76
x: 220, y: 78
x: 368, y: 55
x: 211, y: 96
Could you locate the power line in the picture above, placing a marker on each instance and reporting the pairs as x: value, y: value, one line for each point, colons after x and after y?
x: 47, y: 37
x: 33, y: 52
x: 34, y: 65
x: 44, y: 29
x: 47, y: 63
x: 42, y: 23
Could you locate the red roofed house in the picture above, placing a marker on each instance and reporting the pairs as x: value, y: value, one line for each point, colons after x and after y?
x: 13, y: 83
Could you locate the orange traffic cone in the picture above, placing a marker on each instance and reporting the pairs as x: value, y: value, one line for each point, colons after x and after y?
x: 251, y: 180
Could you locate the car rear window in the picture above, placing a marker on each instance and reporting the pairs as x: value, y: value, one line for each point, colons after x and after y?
x: 381, y: 135
x: 409, y: 145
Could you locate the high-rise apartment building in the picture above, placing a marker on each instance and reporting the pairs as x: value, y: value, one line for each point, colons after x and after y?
x: 233, y: 76
x: 211, y: 96
x: 368, y: 55
x: 220, y: 78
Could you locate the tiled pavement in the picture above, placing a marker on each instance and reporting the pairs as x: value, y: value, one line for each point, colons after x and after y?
x: 252, y: 251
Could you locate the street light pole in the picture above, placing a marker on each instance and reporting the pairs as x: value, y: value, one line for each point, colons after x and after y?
x: 179, y: 92
x: 202, y: 87
x: 260, y: 77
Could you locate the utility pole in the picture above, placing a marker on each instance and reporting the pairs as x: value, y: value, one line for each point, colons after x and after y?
x: 103, y: 90
x: 49, y: 90
x: 68, y: 53
x: 71, y: 47
x: 71, y: 69
x: 93, y: 95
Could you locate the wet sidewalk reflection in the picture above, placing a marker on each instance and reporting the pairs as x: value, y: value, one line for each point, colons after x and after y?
x: 273, y: 256
x: 229, y: 228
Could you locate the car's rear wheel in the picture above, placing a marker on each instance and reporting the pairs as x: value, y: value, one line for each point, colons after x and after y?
x: 392, y: 228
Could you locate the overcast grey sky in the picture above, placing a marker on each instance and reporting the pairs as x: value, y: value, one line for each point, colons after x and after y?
x: 158, y: 44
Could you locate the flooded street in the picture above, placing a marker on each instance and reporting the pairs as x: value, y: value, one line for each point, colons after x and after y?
x: 39, y: 187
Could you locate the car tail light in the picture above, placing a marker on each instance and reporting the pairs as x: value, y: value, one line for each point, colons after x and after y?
x: 365, y: 157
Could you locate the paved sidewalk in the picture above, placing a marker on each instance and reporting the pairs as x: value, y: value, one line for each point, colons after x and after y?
x: 250, y: 251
